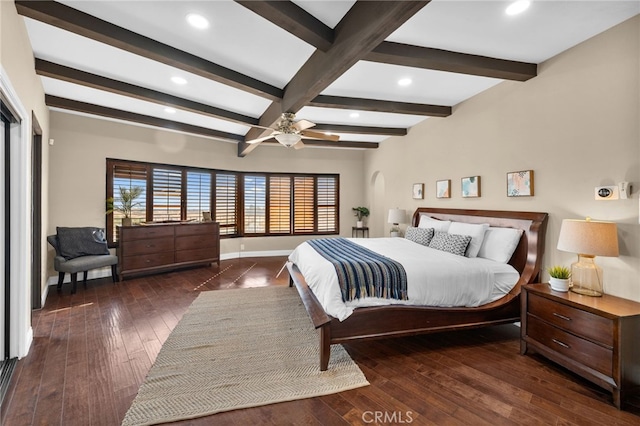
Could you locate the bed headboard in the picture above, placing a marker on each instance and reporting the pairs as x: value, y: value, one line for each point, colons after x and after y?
x: 527, y: 258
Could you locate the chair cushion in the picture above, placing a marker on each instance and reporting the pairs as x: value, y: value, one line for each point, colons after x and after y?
x: 83, y: 241
x: 83, y: 263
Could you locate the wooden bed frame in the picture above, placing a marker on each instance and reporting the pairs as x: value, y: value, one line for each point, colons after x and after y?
x: 401, y: 320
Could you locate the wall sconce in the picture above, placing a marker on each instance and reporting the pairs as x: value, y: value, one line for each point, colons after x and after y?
x: 588, y: 238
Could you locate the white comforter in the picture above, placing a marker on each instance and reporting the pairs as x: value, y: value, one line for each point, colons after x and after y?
x: 434, y: 278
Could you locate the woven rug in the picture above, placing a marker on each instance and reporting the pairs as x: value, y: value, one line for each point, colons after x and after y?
x: 237, y: 349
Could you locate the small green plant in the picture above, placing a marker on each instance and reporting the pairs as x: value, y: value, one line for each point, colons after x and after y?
x: 560, y: 272
x: 127, y: 198
x: 360, y: 212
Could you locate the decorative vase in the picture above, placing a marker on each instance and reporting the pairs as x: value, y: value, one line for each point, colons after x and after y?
x: 126, y: 221
x: 359, y: 224
x: 559, y: 284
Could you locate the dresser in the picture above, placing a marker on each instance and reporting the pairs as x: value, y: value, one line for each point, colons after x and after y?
x: 163, y: 247
x: 595, y: 337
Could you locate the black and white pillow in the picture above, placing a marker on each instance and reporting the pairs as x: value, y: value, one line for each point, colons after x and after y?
x: 419, y: 235
x: 452, y: 243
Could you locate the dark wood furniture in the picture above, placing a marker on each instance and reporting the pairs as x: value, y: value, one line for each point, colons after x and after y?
x: 399, y: 320
x: 364, y: 230
x: 163, y: 247
x: 595, y: 337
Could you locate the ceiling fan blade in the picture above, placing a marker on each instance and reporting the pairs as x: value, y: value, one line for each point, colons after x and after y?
x: 258, y: 140
x: 303, y: 124
x: 319, y: 135
x: 298, y: 145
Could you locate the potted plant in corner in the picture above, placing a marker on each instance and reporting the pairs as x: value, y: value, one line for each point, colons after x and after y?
x: 559, y: 280
x: 127, y: 203
x: 360, y: 213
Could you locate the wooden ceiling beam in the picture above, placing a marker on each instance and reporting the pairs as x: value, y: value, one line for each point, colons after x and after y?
x: 75, y: 21
x: 293, y: 19
x: 444, y: 60
x: 362, y: 130
x: 75, y: 76
x: 364, y: 27
x: 87, y: 108
x: 375, y: 105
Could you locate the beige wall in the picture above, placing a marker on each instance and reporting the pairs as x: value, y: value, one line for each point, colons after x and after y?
x: 77, y: 180
x: 576, y: 125
x: 16, y: 57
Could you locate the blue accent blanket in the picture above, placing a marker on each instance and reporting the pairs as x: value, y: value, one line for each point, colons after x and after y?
x: 362, y: 272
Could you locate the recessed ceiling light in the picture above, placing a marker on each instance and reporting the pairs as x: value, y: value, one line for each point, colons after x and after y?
x: 354, y: 115
x: 179, y: 80
x: 404, y: 81
x: 517, y: 7
x: 170, y: 110
x: 197, y: 21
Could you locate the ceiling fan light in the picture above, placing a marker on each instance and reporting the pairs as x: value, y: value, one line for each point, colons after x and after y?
x: 288, y: 139
x: 517, y: 7
x: 197, y: 21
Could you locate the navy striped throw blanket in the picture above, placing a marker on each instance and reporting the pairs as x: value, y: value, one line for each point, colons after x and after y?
x: 362, y: 272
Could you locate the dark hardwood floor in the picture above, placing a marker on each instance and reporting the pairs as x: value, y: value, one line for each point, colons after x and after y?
x: 92, y: 350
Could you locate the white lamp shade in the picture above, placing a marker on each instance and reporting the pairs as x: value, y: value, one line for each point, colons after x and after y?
x: 589, y: 237
x: 288, y: 139
x: 396, y: 216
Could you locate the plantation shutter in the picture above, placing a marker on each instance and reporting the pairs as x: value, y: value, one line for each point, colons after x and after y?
x: 226, y: 203
x: 255, y: 201
x: 279, y: 205
x: 127, y: 176
x: 198, y: 194
x: 327, y: 207
x: 303, y: 204
x: 167, y: 194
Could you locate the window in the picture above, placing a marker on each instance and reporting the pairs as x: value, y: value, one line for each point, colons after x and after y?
x: 244, y: 204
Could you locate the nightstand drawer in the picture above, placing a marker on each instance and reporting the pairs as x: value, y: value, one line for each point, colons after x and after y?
x: 573, y: 347
x: 574, y: 320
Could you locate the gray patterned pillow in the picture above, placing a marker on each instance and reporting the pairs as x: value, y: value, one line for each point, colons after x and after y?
x: 86, y: 241
x: 452, y: 243
x: 419, y: 235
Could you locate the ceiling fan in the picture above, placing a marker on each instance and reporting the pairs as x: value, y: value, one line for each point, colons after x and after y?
x: 290, y: 133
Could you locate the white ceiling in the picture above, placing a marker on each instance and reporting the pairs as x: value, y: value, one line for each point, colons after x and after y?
x: 245, y: 42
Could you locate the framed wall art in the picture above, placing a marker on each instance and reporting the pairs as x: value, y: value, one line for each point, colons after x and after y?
x: 418, y: 191
x: 443, y: 188
x: 470, y: 187
x: 520, y: 184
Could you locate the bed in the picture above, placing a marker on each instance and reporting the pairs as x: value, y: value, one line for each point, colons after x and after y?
x: 373, y: 322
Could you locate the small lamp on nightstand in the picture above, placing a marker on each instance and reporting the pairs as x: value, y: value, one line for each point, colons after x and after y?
x: 589, y: 238
x: 396, y: 217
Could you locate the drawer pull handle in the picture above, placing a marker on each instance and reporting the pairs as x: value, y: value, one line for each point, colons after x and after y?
x: 150, y: 245
x: 561, y: 317
x: 564, y: 345
x: 148, y: 261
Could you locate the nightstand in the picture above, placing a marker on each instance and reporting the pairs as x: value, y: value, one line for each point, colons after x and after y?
x: 595, y: 337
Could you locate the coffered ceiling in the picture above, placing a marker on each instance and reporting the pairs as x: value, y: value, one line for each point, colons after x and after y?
x: 335, y: 63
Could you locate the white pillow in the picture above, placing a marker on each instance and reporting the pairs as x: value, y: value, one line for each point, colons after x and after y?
x: 437, y: 225
x: 500, y: 243
x: 475, y: 231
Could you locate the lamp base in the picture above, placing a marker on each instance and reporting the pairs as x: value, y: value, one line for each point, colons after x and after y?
x: 586, y: 276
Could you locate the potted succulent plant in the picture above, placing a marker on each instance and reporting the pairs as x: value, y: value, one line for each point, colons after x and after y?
x: 559, y: 280
x: 360, y: 213
x: 127, y: 203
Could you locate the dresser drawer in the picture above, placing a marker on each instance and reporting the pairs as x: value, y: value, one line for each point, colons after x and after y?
x: 147, y: 261
x: 574, y: 320
x: 197, y: 229
x: 196, y: 242
x: 149, y: 246
x: 196, y: 254
x: 573, y: 347
x: 146, y: 232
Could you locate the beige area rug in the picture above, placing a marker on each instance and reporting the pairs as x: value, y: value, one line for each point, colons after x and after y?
x: 237, y: 349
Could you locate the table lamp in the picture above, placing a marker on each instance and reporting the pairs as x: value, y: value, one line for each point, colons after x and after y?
x: 396, y: 217
x: 588, y: 238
